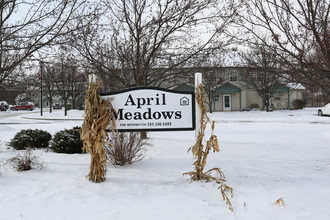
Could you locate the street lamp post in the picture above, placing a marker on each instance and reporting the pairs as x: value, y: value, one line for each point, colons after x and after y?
x: 41, y: 67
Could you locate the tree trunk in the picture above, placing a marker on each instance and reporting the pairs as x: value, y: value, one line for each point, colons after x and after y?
x: 50, y: 105
x: 210, y: 107
x: 65, y: 107
x: 267, y: 105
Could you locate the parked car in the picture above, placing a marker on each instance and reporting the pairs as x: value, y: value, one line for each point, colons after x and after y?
x: 23, y: 106
x: 3, y: 106
x: 325, y: 110
x: 57, y: 106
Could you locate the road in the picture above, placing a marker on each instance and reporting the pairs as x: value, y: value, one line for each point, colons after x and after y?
x: 5, y: 118
x: 28, y: 117
x: 10, y: 114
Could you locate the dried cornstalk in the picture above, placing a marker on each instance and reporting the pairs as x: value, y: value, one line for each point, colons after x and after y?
x: 200, y: 152
x: 99, y: 114
x: 280, y: 202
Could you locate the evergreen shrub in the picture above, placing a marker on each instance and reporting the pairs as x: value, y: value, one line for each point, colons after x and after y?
x: 34, y: 138
x: 67, y: 141
x: 254, y: 106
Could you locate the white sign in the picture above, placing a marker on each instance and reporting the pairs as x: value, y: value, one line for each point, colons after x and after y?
x: 153, y: 109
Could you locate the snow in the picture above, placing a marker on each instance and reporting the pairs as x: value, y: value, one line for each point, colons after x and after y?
x: 265, y: 156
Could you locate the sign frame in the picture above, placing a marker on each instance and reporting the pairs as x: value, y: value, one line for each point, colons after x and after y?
x: 193, y: 108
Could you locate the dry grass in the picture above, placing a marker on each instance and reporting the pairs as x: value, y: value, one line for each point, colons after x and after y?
x: 99, y: 114
x: 126, y: 148
x: 26, y: 161
x: 201, y: 151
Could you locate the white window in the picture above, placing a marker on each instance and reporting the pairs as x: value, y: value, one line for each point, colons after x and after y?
x: 216, y: 98
x: 277, y: 96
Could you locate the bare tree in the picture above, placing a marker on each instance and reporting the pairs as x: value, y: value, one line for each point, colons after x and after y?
x: 26, y: 27
x: 211, y: 79
x: 297, y: 32
x: 144, y: 41
x: 210, y: 65
x: 49, y: 85
x: 11, y: 88
x: 262, y: 73
x: 69, y: 81
x: 142, y: 35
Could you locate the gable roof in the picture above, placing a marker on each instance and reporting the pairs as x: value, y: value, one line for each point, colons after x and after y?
x: 229, y: 87
x: 184, y: 88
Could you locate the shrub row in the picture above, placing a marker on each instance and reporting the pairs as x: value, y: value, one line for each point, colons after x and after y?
x: 30, y: 138
x: 123, y: 149
x: 65, y: 141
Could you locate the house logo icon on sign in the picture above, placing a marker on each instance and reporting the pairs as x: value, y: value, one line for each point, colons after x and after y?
x: 184, y: 101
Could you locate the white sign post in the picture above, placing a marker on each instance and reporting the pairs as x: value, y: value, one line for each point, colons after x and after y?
x: 153, y: 109
x: 92, y: 78
x: 198, y: 81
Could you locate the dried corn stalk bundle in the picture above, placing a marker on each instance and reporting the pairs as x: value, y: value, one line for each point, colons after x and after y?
x: 200, y: 152
x: 99, y: 114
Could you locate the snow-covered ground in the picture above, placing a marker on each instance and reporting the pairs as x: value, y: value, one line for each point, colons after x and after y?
x: 265, y: 156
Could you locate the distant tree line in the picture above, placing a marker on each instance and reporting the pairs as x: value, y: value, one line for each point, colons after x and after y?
x: 148, y: 42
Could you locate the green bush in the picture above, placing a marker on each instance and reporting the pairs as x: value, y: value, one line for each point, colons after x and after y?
x: 30, y: 138
x: 67, y: 141
x: 298, y: 104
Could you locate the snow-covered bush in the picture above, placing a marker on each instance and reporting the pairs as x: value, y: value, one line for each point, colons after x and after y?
x: 35, y: 138
x: 67, y: 141
x: 126, y: 148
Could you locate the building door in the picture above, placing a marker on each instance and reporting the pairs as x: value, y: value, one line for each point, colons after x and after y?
x: 227, y: 102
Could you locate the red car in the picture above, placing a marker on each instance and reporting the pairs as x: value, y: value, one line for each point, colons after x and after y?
x: 23, y: 106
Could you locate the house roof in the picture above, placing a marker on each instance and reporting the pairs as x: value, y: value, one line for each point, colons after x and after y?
x: 184, y: 87
x: 296, y: 86
x: 229, y: 86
